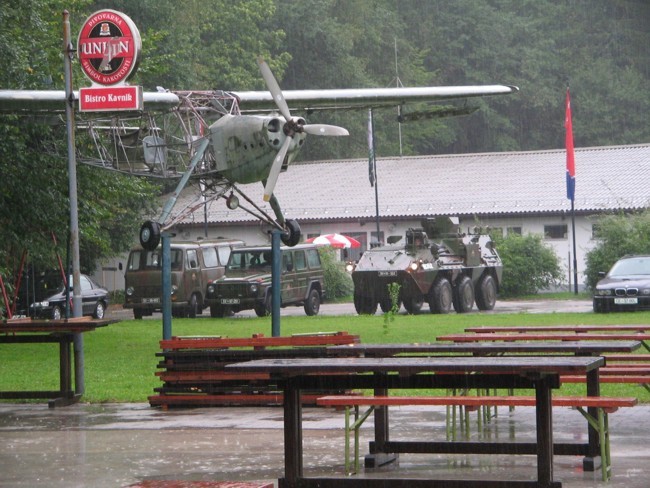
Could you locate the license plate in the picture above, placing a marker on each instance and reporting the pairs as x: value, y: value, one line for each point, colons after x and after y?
x: 387, y: 273
x: 626, y: 301
x: 151, y: 300
x: 229, y: 301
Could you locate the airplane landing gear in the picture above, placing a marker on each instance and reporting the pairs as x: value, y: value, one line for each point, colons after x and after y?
x: 150, y: 235
x: 291, y: 236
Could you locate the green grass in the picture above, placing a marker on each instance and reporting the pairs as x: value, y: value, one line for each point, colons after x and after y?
x: 120, y: 359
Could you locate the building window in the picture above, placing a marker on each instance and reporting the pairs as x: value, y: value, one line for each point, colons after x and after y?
x: 555, y: 231
x: 514, y: 230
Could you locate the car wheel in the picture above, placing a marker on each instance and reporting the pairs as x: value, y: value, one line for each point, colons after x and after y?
x: 486, y: 293
x: 440, y: 296
x: 57, y: 313
x: 463, y: 295
x: 100, y: 309
x: 312, y: 305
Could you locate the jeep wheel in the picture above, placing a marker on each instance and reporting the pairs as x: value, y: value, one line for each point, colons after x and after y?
x: 365, y: 305
x: 137, y: 314
x: 440, y: 296
x: 486, y: 293
x: 263, y: 309
x: 218, y: 311
x: 463, y: 295
x: 312, y: 305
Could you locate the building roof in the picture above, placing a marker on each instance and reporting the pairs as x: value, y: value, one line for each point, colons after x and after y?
x: 487, y: 184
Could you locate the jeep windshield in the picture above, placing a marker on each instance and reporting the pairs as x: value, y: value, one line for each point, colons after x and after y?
x: 144, y: 260
x: 249, y: 260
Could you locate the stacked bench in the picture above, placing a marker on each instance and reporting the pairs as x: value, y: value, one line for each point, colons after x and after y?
x: 192, y: 368
x: 600, y: 422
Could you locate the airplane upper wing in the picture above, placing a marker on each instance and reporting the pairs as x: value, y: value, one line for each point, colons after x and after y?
x: 308, y: 100
x: 52, y: 101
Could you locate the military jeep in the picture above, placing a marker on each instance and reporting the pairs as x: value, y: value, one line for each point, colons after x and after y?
x: 247, y: 281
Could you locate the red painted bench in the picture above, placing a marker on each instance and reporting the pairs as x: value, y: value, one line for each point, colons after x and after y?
x: 192, y: 368
x: 600, y: 423
x: 558, y: 328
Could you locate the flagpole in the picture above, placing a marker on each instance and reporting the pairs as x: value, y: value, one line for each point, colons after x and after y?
x: 372, y: 167
x: 571, y: 181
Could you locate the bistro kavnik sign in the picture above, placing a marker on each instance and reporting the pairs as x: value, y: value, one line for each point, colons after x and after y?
x: 109, y: 47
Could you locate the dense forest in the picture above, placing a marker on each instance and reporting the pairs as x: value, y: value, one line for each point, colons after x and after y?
x: 597, y: 47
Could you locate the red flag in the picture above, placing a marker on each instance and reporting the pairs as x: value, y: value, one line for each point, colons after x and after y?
x: 570, y: 158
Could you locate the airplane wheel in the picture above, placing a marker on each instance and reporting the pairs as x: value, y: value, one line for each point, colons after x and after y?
x: 292, y: 236
x: 150, y: 235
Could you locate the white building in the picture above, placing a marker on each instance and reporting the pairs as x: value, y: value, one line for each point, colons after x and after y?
x: 522, y: 192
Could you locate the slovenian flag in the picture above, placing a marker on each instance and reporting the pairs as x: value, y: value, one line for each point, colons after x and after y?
x: 570, y: 158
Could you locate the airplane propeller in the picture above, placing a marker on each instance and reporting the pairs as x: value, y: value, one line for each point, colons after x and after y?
x: 292, y: 126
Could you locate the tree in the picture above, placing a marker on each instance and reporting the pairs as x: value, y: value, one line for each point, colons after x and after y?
x: 528, y: 265
x: 618, y: 235
x: 338, y: 283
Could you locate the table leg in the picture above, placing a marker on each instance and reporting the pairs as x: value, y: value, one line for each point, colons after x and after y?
x: 378, y: 456
x: 544, y: 412
x: 292, y: 434
x: 590, y: 462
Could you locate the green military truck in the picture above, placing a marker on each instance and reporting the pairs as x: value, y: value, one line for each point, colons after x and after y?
x: 247, y: 282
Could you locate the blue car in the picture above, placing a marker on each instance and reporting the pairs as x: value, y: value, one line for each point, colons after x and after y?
x: 94, y: 301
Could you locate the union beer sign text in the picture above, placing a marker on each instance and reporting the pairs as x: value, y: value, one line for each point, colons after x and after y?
x: 109, y: 46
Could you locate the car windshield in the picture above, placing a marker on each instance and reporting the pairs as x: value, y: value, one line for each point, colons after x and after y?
x: 254, y: 259
x: 629, y: 267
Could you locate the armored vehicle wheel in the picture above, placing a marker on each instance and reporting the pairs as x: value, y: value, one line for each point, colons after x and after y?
x: 292, y: 236
x: 312, y: 304
x: 386, y: 305
x: 440, y: 296
x: 463, y: 295
x: 365, y: 305
x: 486, y: 293
x: 413, y: 303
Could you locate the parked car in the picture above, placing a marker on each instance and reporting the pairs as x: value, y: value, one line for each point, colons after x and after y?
x: 247, y: 283
x: 94, y: 299
x: 625, y: 287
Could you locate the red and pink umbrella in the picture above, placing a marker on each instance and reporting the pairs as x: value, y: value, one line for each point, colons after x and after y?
x: 335, y: 240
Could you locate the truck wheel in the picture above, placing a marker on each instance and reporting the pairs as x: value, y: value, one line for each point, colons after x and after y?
x: 365, y: 305
x: 486, y: 293
x: 413, y: 304
x: 312, y: 305
x: 440, y: 296
x: 193, y: 306
x: 463, y: 295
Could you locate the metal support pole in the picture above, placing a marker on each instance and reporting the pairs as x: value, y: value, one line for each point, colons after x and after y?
x: 575, y: 259
x: 166, y: 271
x: 68, y: 54
x: 276, y: 272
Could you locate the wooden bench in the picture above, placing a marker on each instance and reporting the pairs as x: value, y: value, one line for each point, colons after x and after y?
x: 192, y: 368
x: 600, y: 423
x: 559, y: 328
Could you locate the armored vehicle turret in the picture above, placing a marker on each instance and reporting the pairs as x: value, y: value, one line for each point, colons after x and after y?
x: 435, y: 264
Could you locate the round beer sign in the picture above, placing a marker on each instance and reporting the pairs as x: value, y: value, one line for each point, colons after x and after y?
x: 109, y: 47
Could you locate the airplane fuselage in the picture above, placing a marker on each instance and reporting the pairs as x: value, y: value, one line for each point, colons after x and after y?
x: 245, y: 146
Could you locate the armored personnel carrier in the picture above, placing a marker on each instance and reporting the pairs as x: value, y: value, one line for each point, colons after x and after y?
x: 436, y: 264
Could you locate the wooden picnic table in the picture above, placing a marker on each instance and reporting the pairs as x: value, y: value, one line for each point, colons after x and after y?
x: 62, y: 332
x: 591, y: 450
x: 560, y: 328
x: 519, y: 336
x: 531, y: 372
